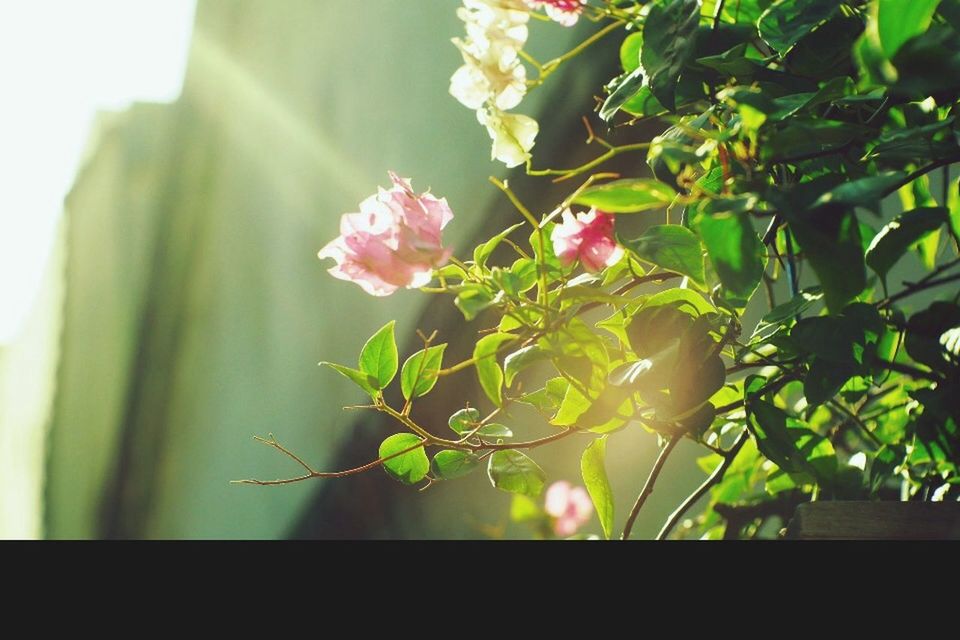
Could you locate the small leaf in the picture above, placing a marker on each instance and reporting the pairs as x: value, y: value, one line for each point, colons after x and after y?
x: 625, y: 88
x: 513, y: 471
x: 410, y: 467
x: 488, y: 369
x: 379, y: 358
x: 896, y: 238
x: 785, y: 22
x: 482, y: 252
x: 472, y: 300
x: 594, y: 472
x: 783, y: 314
x: 519, y: 360
x: 548, y: 399
x: 627, y: 196
x: 421, y: 369
x: 671, y: 247
x: 451, y: 463
x: 466, y: 420
x: 361, y: 379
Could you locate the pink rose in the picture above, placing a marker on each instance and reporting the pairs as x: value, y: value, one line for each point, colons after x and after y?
x: 569, y: 505
x: 589, y: 238
x: 564, y: 12
x: 393, y: 242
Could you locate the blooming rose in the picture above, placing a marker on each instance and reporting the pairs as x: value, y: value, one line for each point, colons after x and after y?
x: 564, y: 12
x: 513, y: 135
x: 589, y: 238
x: 393, y: 242
x: 569, y: 505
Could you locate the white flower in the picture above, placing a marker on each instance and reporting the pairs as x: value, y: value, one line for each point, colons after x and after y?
x: 512, y: 134
x: 493, y: 74
x: 492, y: 71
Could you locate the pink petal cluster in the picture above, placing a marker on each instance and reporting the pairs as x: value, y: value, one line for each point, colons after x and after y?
x: 564, y: 12
x: 393, y: 242
x: 569, y: 505
x: 588, y: 237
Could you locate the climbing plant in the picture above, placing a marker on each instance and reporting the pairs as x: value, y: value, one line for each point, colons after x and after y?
x: 790, y: 184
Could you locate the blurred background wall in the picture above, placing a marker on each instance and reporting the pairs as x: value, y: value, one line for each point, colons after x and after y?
x: 182, y: 309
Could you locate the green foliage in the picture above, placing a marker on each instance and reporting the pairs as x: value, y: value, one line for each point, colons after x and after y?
x: 409, y: 463
x: 787, y: 129
x: 627, y: 196
x: 379, y: 358
x: 594, y: 472
x: 514, y: 472
x: 419, y: 372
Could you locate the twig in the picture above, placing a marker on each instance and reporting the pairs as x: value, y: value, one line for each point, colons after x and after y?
x: 712, y: 479
x: 648, y: 486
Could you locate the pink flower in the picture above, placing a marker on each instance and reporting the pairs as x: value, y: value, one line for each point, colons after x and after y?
x: 589, y: 238
x: 564, y: 12
x: 393, y: 242
x: 569, y: 505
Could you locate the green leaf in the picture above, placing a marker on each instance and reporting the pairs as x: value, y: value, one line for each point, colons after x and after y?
x: 627, y: 196
x: 466, y: 420
x: 410, y: 467
x: 361, y: 379
x: 953, y: 203
x: 671, y: 247
x: 669, y: 35
x: 898, y: 235
x: 735, y: 251
x: 784, y: 314
x: 419, y: 373
x: 519, y: 360
x: 685, y: 300
x: 548, y: 399
x: 643, y: 103
x: 865, y: 192
x: 472, y: 300
x: 790, y: 444
x: 630, y: 51
x: 625, y: 88
x: 900, y: 20
x: 513, y: 471
x: 594, y: 472
x: 785, y: 22
x: 488, y: 369
x: 451, y: 463
x: 482, y: 252
x: 798, y: 137
x: 830, y: 239
x: 824, y: 380
x: 379, y: 358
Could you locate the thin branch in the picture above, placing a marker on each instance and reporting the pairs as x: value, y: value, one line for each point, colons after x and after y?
x: 648, y: 486
x: 318, y: 474
x: 713, y: 479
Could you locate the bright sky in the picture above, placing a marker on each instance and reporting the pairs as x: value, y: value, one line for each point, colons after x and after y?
x: 60, y: 62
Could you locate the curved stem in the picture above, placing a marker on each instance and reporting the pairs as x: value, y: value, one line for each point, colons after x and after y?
x: 702, y: 490
x: 566, y: 174
x: 648, y: 486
